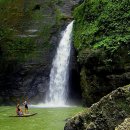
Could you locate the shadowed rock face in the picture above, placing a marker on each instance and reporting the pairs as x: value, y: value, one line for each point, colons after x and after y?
x: 99, y: 78
x: 74, y: 78
x: 106, y: 114
x: 41, y: 21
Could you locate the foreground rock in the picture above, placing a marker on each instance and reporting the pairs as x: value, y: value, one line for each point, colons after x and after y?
x: 125, y: 125
x: 106, y: 114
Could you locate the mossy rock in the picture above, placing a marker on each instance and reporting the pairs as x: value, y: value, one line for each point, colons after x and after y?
x: 106, y: 114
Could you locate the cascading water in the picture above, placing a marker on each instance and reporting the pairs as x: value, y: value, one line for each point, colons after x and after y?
x: 58, y: 86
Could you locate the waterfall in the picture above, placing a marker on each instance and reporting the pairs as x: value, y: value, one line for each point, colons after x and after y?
x: 58, y: 86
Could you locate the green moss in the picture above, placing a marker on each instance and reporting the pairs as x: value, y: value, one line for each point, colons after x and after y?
x: 15, y: 48
x: 37, y: 15
x: 59, y: 16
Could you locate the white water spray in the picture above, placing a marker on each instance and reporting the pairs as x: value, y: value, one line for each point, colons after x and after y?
x: 58, y: 86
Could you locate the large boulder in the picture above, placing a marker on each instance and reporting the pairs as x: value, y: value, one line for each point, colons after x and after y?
x: 106, y: 114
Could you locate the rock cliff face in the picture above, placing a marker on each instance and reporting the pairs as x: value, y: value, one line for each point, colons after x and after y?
x: 106, y: 114
x: 36, y: 26
x: 101, y: 37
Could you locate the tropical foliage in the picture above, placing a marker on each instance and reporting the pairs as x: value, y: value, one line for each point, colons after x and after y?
x: 102, y: 39
x: 102, y: 24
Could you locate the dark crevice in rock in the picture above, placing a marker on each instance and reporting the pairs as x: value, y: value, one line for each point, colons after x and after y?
x: 36, y: 7
x: 74, y: 78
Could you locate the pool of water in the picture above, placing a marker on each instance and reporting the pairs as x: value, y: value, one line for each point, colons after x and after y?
x: 46, y: 119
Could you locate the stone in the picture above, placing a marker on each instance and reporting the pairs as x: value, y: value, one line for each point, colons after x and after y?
x: 105, y: 114
x: 124, y: 125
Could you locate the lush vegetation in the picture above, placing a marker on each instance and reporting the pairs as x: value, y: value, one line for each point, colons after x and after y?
x: 102, y: 24
x: 101, y: 36
x: 47, y: 118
